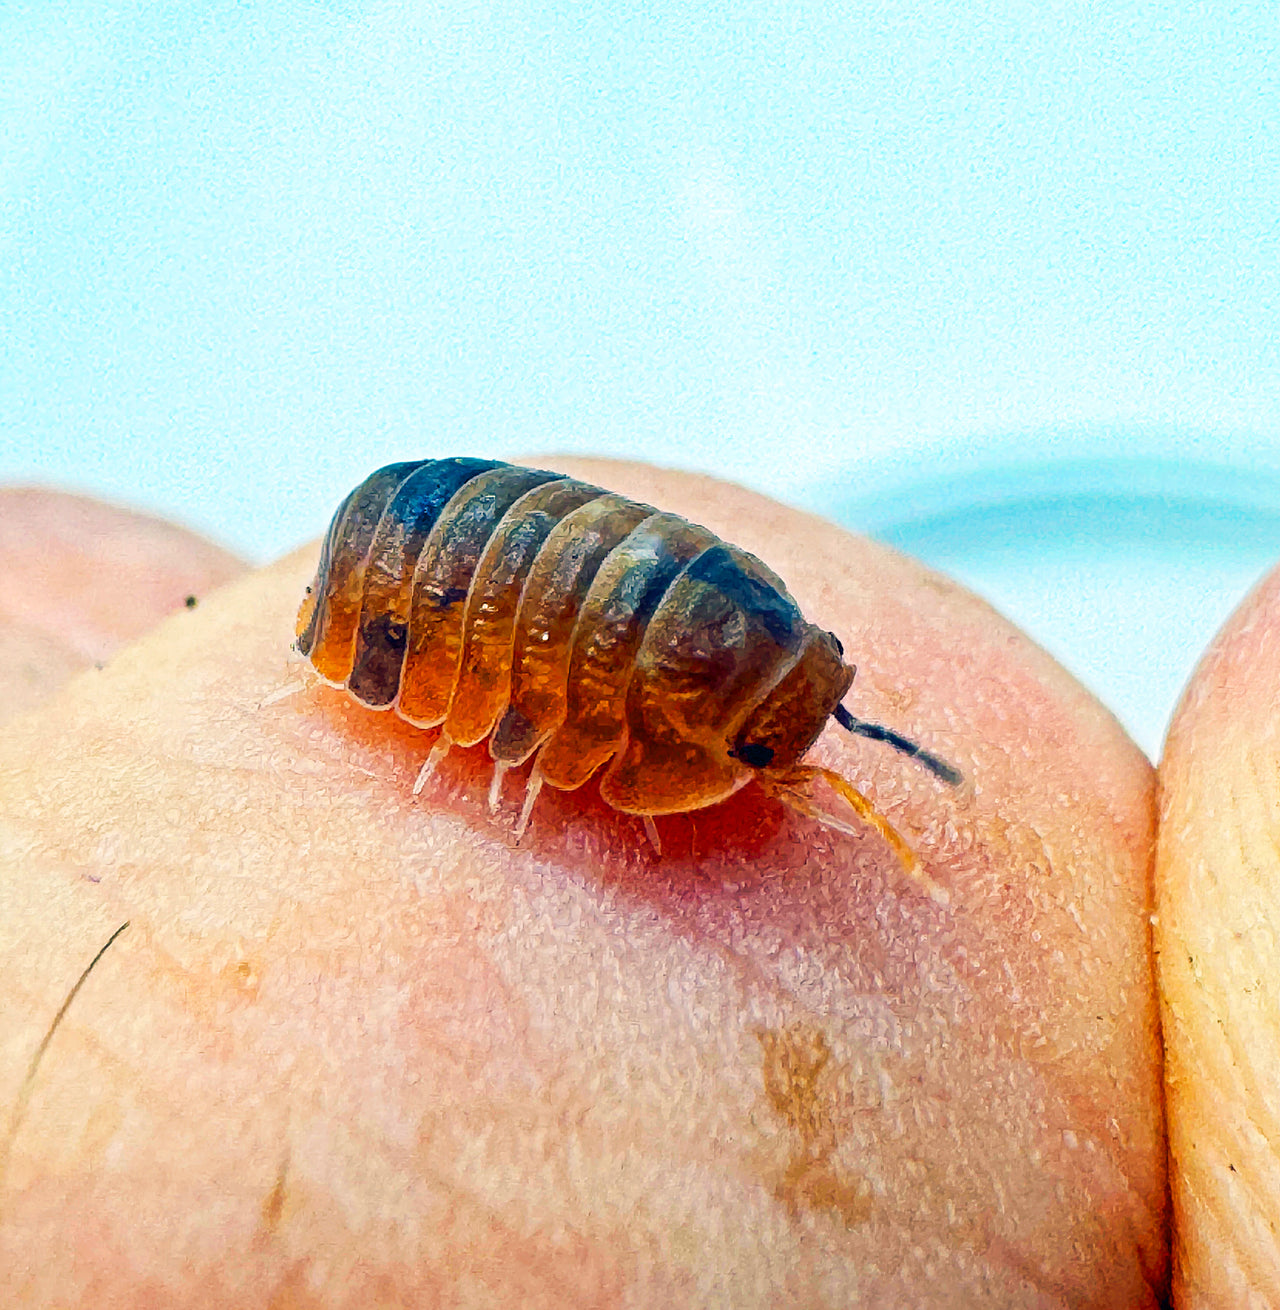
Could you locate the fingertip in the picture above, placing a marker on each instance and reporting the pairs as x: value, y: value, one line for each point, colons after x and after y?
x: 80, y: 578
x: 1217, y: 885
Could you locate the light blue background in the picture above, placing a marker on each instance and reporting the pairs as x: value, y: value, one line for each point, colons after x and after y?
x: 996, y: 281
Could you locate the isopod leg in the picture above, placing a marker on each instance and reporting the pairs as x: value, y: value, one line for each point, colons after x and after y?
x: 531, y: 795
x: 795, y: 789
x: 495, y: 786
x: 307, y: 679
x: 432, y: 762
x: 651, y: 831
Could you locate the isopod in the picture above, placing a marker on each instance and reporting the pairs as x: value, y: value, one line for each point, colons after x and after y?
x: 560, y: 621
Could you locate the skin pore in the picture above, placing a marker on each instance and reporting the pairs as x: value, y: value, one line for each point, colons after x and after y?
x: 359, y: 1048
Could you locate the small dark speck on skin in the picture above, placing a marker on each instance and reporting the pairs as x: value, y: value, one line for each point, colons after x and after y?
x: 191, y: 602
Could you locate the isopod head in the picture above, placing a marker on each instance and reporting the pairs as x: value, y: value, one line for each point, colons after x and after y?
x: 780, y: 730
x: 730, y: 682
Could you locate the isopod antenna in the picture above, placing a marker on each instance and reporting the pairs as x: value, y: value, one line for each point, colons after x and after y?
x: 859, y: 727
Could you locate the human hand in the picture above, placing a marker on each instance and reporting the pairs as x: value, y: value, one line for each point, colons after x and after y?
x: 359, y: 1048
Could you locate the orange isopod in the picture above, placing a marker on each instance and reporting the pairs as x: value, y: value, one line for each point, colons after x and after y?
x: 562, y: 621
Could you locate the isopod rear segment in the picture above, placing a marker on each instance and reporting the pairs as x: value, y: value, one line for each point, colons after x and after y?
x: 571, y: 625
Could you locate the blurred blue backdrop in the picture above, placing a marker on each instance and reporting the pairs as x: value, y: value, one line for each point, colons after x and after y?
x: 995, y: 281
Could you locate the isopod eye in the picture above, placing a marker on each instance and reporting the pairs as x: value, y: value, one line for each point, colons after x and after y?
x: 838, y: 642
x: 755, y: 754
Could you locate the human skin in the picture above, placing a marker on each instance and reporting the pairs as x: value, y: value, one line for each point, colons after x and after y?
x: 359, y: 1048
x: 1218, y: 881
x: 79, y: 579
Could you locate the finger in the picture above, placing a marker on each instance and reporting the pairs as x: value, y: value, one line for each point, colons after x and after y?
x: 79, y: 579
x: 405, y: 1054
x: 1218, y: 883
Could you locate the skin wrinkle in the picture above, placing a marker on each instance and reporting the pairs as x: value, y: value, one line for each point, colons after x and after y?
x: 1239, y: 1048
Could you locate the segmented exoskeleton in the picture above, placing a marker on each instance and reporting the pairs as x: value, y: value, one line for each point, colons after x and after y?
x: 562, y: 621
